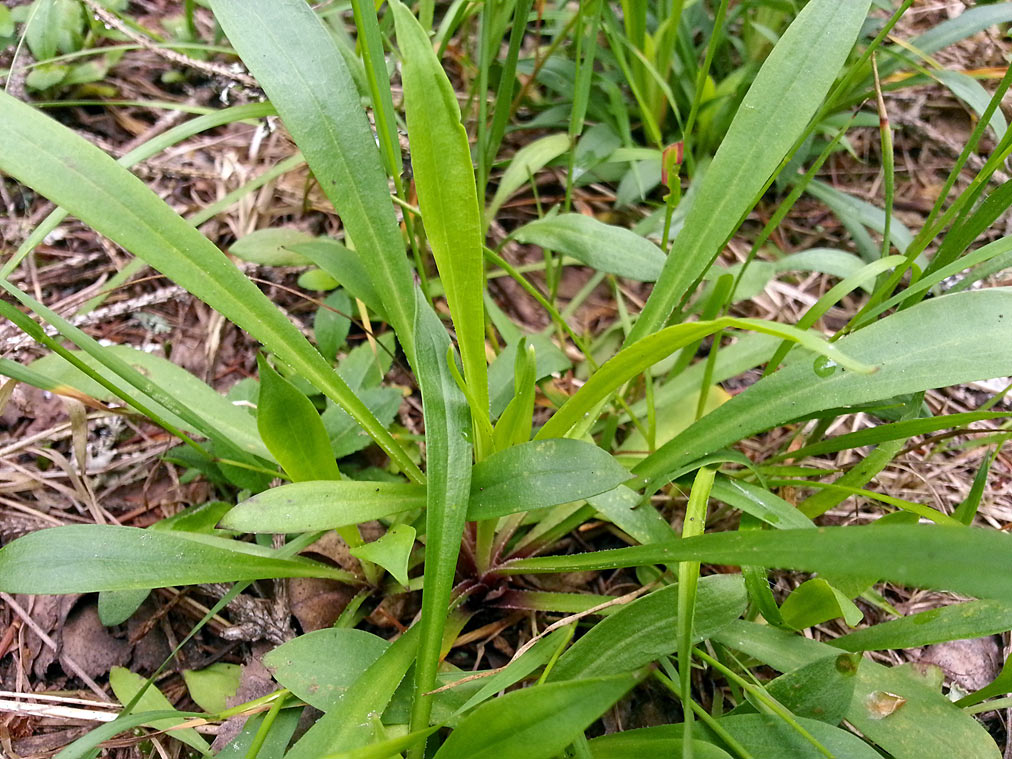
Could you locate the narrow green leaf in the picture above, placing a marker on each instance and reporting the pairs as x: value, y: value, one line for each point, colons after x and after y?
x: 962, y: 328
x: 517, y: 419
x: 217, y: 414
x: 763, y: 735
x: 784, y: 96
x: 536, y: 722
x: 963, y: 559
x: 972, y: 619
x: 760, y: 503
x: 604, y: 247
x: 87, y: 745
x: 528, y: 160
x: 272, y: 247
x: 92, y: 557
x: 645, y: 630
x: 894, y: 431
x: 78, y: 176
x: 294, y: 58
x: 448, y: 471
x: 642, y: 354
x: 291, y: 428
x: 444, y: 179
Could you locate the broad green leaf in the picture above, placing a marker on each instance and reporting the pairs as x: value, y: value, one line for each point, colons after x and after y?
x: 344, y: 266
x: 775, y: 112
x: 272, y: 247
x: 645, y: 630
x: 541, y: 473
x: 54, y: 26
x: 531, y: 476
x: 907, y: 347
x: 117, y: 606
x: 316, y: 279
x: 536, y: 722
x: 92, y: 557
x: 291, y: 427
x: 448, y: 471
x: 331, y: 327
x: 764, y: 736
x: 45, y: 76
x: 444, y: 179
x: 125, y: 685
x: 391, y: 551
x: 350, y: 723
x: 972, y: 619
x: 310, y: 506
x: 641, y: 521
x: 920, y: 718
x: 816, y: 601
x: 211, y: 687
x: 88, y: 183
x: 963, y: 559
x: 6, y: 22
x: 605, y: 247
x: 530, y: 159
x: 320, y: 666
x: 642, y: 354
x: 822, y: 689
x: 294, y: 58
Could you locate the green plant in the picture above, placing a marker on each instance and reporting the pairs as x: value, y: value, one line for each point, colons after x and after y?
x: 501, y: 483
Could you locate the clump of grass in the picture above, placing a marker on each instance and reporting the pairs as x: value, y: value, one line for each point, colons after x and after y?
x: 510, y: 465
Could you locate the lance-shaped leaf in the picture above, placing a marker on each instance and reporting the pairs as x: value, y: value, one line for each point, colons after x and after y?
x: 73, y: 173
x: 85, y: 558
x: 444, y: 179
x: 448, y: 471
x: 964, y: 559
x: 531, y: 476
x: 294, y: 58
